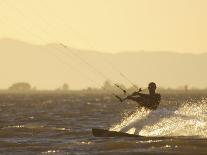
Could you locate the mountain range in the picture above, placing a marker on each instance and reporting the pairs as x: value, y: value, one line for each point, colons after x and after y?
x: 49, y: 66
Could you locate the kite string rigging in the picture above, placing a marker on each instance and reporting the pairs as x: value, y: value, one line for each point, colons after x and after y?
x: 82, y: 59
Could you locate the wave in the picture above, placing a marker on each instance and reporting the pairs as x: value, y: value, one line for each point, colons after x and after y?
x: 189, y: 119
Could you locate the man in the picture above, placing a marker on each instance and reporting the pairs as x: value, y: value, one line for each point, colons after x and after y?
x: 149, y: 101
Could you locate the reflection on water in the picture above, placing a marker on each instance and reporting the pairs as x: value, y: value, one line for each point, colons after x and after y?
x: 61, y: 124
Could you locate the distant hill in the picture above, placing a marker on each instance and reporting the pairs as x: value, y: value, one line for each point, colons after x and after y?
x: 49, y: 66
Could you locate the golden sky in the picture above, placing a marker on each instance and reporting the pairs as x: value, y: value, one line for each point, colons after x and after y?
x: 108, y: 25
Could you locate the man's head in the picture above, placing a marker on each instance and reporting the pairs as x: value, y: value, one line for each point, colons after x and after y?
x: 152, y: 87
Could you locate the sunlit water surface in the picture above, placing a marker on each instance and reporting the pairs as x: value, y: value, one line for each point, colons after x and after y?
x: 62, y: 123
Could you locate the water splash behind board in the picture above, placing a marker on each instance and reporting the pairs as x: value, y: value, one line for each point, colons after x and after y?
x: 189, y: 119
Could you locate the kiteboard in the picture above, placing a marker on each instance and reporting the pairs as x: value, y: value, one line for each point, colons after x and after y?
x: 108, y: 133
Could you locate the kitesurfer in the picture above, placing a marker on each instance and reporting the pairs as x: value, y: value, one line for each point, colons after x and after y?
x: 149, y: 101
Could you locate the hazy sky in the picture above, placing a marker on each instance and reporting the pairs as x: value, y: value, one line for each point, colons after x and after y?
x: 108, y: 25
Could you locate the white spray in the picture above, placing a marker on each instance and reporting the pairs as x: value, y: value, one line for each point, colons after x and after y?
x: 190, y: 119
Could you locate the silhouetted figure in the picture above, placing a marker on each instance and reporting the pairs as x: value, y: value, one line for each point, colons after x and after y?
x: 149, y: 101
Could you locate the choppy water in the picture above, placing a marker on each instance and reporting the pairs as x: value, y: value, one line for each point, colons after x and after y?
x: 61, y: 124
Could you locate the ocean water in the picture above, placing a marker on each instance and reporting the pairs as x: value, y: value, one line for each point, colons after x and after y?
x: 59, y: 124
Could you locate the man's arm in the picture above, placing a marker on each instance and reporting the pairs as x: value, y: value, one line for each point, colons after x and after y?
x: 138, y: 94
x: 133, y: 96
